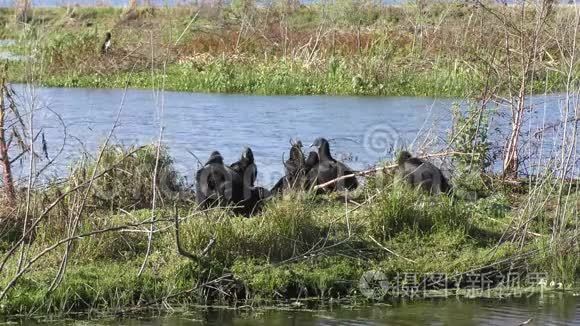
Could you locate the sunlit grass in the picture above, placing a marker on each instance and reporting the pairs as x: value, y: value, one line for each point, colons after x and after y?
x: 300, y: 245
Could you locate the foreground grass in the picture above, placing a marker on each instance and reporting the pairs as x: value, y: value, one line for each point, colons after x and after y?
x: 344, y: 49
x: 299, y: 246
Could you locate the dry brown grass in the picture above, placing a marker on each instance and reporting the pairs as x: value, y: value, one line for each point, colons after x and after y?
x: 456, y: 34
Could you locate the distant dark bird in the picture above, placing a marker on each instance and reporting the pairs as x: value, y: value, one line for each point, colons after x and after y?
x: 209, y: 181
x: 106, y: 46
x: 279, y: 186
x: 246, y: 167
x: 217, y: 184
x: 329, y: 169
x: 44, y: 146
x: 419, y: 173
x: 252, y: 197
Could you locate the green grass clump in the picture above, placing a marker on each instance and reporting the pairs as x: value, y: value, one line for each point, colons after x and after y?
x: 88, y: 286
x: 322, y: 277
x: 285, y: 228
x: 128, y: 178
x: 403, y: 209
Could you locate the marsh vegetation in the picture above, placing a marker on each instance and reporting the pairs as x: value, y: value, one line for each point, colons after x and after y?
x: 348, y: 47
x: 121, y: 231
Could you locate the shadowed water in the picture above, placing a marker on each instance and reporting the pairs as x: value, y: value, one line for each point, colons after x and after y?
x: 362, y: 130
x: 556, y: 309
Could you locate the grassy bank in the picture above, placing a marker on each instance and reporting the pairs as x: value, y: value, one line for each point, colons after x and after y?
x: 300, y: 246
x: 276, y: 76
x: 348, y: 48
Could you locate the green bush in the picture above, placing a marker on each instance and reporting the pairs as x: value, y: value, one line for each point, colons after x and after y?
x: 128, y: 176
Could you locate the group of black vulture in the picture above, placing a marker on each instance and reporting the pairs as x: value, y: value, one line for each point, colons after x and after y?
x: 219, y: 184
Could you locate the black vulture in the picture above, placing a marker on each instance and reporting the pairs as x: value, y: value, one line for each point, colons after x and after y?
x: 246, y: 167
x: 217, y: 184
x: 292, y: 167
x: 295, y: 163
x: 106, y: 43
x: 311, y: 169
x: 220, y: 185
x: 296, y: 169
x: 278, y: 188
x: 252, y: 198
x: 312, y: 160
x: 253, y: 201
x: 209, y: 181
x: 419, y: 173
x: 329, y: 169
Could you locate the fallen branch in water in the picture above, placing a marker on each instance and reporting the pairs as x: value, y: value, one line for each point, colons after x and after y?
x: 380, y: 169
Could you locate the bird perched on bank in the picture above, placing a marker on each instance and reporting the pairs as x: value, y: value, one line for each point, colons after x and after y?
x: 217, y: 184
x: 419, y: 173
x: 246, y: 167
x: 293, y: 169
x: 295, y: 163
x: 311, y: 161
x: 299, y: 171
x: 252, y: 197
x: 311, y: 168
x: 328, y: 169
x: 106, y: 46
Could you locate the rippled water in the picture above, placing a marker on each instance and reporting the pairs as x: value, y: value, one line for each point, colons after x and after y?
x: 362, y: 130
x: 558, y: 309
x: 201, y: 123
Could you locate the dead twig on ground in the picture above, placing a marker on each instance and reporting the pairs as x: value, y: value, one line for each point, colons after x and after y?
x: 389, y: 250
x: 185, y: 253
x: 380, y: 169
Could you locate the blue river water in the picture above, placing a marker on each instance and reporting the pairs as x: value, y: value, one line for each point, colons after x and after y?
x: 362, y: 130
